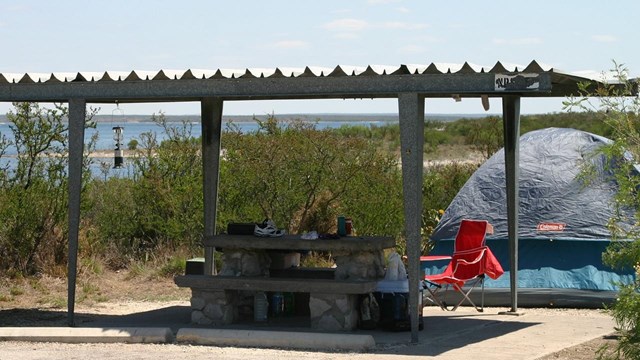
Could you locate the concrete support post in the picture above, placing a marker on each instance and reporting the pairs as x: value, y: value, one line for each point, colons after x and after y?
x: 211, y: 112
x: 77, y: 114
x: 411, y: 113
x: 511, y: 125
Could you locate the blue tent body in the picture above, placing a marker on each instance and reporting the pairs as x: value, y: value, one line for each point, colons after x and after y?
x: 562, y: 220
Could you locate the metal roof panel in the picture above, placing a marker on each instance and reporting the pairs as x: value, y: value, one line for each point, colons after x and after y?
x: 343, y: 81
x: 340, y: 70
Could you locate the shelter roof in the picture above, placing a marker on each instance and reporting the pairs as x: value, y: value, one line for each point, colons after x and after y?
x: 342, y: 81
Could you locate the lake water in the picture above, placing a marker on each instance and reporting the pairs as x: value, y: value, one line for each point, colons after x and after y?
x: 133, y: 130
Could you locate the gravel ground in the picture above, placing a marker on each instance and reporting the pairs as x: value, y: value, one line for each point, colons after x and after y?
x: 32, y: 351
x: 28, y: 351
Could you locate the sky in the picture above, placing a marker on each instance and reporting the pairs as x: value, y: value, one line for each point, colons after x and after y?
x: 124, y: 35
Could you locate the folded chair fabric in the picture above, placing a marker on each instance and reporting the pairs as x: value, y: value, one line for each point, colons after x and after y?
x: 470, y: 262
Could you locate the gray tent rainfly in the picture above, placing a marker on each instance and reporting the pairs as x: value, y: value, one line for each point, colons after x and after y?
x: 562, y: 224
x: 410, y: 84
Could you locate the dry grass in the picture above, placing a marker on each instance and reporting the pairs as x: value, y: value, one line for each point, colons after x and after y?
x: 113, y: 286
x: 454, y: 153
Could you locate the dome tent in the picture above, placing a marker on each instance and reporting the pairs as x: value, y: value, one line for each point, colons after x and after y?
x: 562, y: 221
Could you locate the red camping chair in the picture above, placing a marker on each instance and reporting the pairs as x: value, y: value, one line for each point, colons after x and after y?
x: 470, y: 262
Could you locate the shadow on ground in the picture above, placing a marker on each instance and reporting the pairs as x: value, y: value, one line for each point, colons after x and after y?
x: 174, y: 317
x: 448, y: 332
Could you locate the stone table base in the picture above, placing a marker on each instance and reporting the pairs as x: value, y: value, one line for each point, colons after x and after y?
x: 214, y: 307
x: 333, y: 312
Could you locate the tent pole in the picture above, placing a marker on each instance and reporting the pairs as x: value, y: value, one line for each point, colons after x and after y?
x: 511, y: 127
x: 211, y: 115
x: 411, y: 114
x: 77, y: 114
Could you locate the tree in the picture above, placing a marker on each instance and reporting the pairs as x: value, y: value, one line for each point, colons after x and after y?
x: 620, y: 106
x: 486, y: 136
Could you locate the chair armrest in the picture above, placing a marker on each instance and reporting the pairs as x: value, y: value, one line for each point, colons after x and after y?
x: 462, y: 262
x: 481, y: 251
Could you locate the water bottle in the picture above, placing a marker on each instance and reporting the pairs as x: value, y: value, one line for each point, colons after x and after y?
x: 260, y: 307
x: 289, y: 301
x: 342, y: 226
x: 277, y: 304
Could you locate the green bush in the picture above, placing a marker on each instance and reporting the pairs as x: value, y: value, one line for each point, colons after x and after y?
x: 111, y: 221
x: 302, y: 178
x: 441, y: 183
x: 619, y: 109
x: 33, y: 194
x: 161, y: 204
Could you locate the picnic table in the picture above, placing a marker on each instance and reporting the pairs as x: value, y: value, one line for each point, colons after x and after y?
x: 333, y: 292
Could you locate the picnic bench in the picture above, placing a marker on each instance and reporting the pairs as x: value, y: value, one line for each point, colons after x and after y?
x: 333, y: 292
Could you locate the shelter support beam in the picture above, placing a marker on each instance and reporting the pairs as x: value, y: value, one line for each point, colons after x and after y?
x: 411, y: 114
x: 211, y: 112
x: 511, y: 126
x: 77, y: 114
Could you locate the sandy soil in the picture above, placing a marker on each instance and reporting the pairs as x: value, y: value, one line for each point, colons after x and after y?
x: 33, y: 351
x: 29, y: 351
x: 584, y: 351
x: 124, y: 293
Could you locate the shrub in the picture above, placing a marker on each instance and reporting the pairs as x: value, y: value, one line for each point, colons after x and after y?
x: 33, y: 193
x: 160, y: 205
x: 620, y: 109
x: 302, y: 178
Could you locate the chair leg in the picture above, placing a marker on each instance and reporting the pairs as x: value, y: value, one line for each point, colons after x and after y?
x: 434, y: 295
x: 465, y: 296
x: 482, y: 295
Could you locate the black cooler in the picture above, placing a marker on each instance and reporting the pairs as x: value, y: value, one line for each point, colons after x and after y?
x: 393, y: 302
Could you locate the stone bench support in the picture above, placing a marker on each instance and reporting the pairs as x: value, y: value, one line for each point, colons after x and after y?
x: 217, y: 300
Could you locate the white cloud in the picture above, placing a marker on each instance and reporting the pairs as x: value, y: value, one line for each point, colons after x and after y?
x: 346, y: 25
x: 291, y: 44
x: 403, y: 26
x: 604, y: 38
x: 382, y: 2
x: 403, y: 9
x: 518, y: 41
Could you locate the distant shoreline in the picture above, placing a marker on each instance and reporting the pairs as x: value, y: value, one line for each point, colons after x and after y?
x: 285, y: 117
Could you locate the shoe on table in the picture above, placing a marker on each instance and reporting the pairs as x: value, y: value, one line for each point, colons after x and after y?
x: 267, y: 229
